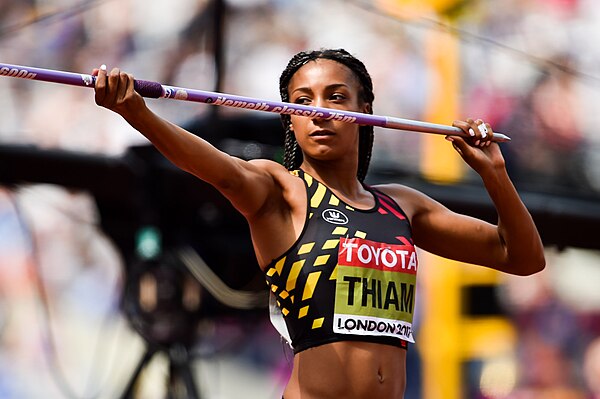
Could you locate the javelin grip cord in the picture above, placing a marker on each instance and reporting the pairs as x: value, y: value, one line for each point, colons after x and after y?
x: 151, y: 89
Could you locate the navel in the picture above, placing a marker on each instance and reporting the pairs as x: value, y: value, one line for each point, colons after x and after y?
x: 380, y: 376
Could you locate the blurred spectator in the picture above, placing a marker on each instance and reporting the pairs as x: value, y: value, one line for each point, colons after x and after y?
x: 546, y: 371
x: 591, y: 368
x: 548, y: 139
x: 554, y: 329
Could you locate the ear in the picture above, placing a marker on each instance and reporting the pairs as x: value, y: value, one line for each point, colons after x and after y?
x: 366, y: 109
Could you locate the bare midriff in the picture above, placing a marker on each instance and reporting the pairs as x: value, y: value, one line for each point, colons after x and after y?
x: 350, y: 370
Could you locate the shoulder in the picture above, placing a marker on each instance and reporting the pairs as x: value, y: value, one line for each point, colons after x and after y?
x: 286, y: 182
x: 412, y: 202
x: 274, y: 169
x: 267, y: 165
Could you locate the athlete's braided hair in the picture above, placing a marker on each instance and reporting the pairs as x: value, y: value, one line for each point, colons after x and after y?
x: 292, y: 157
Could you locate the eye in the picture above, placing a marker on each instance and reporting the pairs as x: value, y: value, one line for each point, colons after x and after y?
x: 302, y: 100
x: 337, y: 97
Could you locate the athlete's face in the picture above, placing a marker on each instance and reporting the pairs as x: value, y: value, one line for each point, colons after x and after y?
x: 329, y: 84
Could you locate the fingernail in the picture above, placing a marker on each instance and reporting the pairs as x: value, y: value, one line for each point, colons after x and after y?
x: 103, y: 67
x: 449, y: 138
x: 477, y: 142
x: 471, y: 132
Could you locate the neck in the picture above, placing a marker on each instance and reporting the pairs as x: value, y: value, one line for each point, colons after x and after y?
x: 340, y: 178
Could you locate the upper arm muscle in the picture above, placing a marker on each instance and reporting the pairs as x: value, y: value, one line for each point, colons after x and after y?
x: 253, y: 186
x: 443, y: 232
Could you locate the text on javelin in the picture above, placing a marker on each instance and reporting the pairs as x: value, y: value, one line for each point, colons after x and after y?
x: 285, y: 110
x: 17, y: 73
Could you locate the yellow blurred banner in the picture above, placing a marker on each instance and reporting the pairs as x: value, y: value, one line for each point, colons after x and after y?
x: 439, y: 161
x: 416, y: 8
x: 436, y: 5
x: 449, y: 337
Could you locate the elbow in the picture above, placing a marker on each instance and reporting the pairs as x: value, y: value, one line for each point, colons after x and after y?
x: 538, y: 262
x: 532, y: 265
x: 541, y: 264
x: 533, y: 268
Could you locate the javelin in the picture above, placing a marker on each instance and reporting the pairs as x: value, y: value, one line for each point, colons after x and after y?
x: 156, y: 90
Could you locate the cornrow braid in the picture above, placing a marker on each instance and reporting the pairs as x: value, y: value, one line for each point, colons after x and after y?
x: 292, y: 156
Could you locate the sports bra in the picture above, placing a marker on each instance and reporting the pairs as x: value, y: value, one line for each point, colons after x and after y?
x: 351, y: 275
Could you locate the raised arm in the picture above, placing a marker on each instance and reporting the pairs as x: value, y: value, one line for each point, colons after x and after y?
x: 246, y: 184
x: 513, y: 245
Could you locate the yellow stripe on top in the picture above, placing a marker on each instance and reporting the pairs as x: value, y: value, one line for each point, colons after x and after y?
x: 303, y: 312
x: 339, y: 231
x: 279, y: 265
x: 334, y: 273
x: 311, y: 283
x: 333, y: 200
x: 293, y: 276
x: 306, y: 248
x: 318, y: 323
x: 360, y: 234
x: 308, y: 179
x: 316, y: 199
x: 330, y: 244
x: 321, y: 260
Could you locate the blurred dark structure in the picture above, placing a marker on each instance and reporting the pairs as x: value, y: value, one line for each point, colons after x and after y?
x: 142, y: 188
x: 142, y: 191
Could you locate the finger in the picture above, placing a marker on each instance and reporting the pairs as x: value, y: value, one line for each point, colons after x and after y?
x: 464, y: 126
x: 113, y: 87
x: 490, y: 132
x: 130, y: 86
x: 473, y: 130
x: 100, y: 87
x: 486, y: 133
x: 122, y: 89
x: 481, y: 137
x: 459, y: 144
x: 482, y: 127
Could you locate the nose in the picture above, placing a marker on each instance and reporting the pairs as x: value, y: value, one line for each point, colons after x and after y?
x: 318, y: 102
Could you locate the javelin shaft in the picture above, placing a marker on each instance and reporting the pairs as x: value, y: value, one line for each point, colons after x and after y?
x: 156, y: 90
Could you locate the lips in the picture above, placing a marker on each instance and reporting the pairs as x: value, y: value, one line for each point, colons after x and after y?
x: 321, y: 133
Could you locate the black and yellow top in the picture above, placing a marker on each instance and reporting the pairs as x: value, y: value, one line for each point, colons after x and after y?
x: 351, y: 275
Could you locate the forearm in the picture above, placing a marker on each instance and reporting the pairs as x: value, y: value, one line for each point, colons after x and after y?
x: 524, y: 252
x: 116, y: 91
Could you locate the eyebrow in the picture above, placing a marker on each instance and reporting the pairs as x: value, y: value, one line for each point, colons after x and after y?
x: 332, y: 86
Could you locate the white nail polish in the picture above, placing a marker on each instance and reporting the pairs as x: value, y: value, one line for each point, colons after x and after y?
x: 471, y: 132
x: 103, y: 67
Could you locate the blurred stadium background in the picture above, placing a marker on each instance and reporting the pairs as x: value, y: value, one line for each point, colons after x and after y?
x: 102, y: 242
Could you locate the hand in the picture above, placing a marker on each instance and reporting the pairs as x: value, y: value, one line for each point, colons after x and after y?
x: 115, y: 91
x: 478, y: 150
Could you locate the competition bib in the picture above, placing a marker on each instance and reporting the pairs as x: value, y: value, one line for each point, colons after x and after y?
x: 375, y: 289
